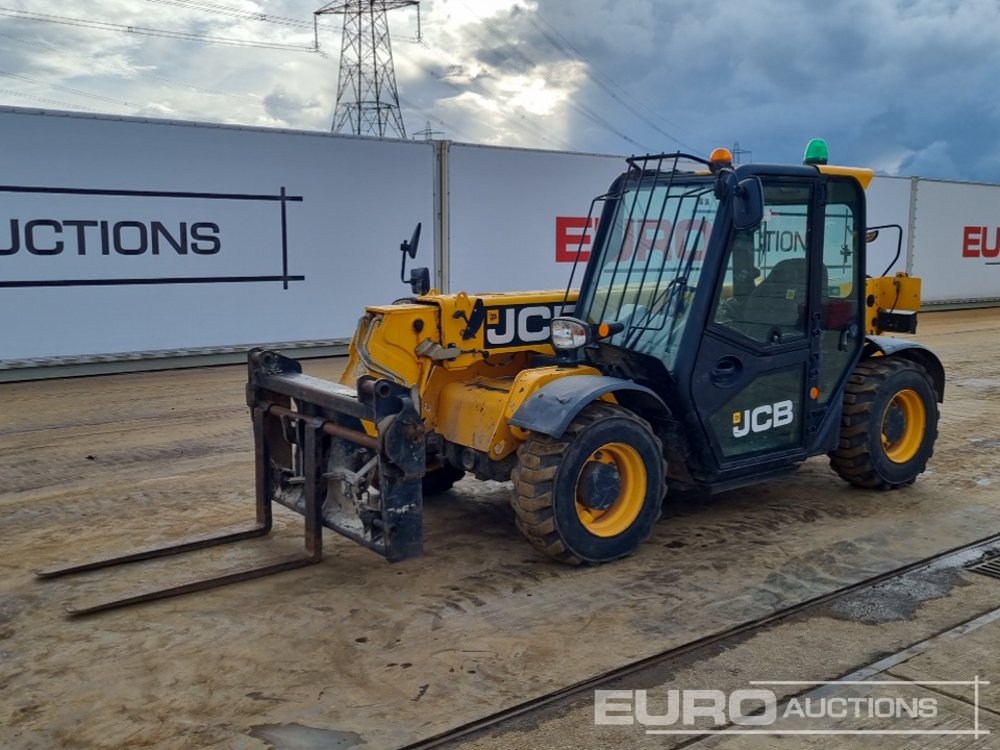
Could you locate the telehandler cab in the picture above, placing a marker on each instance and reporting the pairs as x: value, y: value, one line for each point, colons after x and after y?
x: 723, y: 332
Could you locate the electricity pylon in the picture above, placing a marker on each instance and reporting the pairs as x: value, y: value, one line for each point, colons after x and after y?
x: 367, y: 100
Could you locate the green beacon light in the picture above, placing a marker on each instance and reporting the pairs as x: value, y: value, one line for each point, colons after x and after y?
x: 817, y: 152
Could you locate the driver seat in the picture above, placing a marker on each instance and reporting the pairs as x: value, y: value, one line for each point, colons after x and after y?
x: 778, y: 302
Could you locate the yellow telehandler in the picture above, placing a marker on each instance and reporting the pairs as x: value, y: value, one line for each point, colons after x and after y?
x: 723, y: 331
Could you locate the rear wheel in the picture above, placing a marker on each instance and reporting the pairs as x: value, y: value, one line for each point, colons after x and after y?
x: 593, y: 494
x: 888, y: 426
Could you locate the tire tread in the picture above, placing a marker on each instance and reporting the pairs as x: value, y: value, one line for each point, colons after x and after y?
x: 852, y: 460
x: 539, y: 458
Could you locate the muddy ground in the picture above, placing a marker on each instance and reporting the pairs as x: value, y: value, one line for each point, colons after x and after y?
x: 356, y: 652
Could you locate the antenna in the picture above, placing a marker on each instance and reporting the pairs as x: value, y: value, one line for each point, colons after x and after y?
x: 367, y: 100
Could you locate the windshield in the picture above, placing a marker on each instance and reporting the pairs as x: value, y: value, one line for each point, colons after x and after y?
x: 646, y: 269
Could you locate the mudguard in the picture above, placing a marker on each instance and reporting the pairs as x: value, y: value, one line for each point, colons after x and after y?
x: 551, y: 408
x: 890, y: 346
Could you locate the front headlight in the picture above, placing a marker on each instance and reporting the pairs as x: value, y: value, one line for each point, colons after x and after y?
x: 569, y: 333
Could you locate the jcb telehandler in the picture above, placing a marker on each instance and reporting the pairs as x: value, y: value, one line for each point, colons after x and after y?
x: 723, y: 332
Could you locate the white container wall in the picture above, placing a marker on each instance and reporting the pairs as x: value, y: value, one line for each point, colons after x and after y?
x: 888, y: 203
x: 956, y: 248
x: 516, y: 216
x: 121, y: 235
x: 128, y: 235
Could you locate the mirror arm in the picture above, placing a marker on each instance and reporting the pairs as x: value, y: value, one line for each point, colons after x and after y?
x: 409, y: 248
x: 899, y: 242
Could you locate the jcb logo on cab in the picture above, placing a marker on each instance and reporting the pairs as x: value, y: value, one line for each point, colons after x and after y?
x: 762, y: 418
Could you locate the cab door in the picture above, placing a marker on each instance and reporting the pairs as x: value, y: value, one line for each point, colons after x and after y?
x: 751, y: 378
x: 784, y: 328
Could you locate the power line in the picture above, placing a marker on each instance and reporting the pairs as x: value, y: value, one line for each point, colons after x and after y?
x: 608, y: 84
x: 182, y: 35
x: 581, y: 109
x: 247, y: 15
x: 129, y: 70
x: 431, y: 117
x: 474, y: 86
x: 485, y: 92
x: 479, y: 88
x: 78, y: 92
x: 500, y: 37
x: 46, y: 100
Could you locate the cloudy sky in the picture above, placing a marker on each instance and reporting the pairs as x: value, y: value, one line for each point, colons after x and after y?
x: 905, y: 86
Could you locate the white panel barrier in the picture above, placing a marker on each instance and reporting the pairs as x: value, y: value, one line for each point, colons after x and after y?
x: 127, y: 235
x: 121, y: 235
x: 956, y: 247
x: 888, y: 203
x: 516, y: 216
x: 503, y: 203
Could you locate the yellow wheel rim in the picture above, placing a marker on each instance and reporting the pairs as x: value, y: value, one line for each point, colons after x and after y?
x: 903, y: 425
x: 627, y: 504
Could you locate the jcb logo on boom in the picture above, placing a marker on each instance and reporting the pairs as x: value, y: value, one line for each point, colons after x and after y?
x: 762, y: 418
x: 518, y: 325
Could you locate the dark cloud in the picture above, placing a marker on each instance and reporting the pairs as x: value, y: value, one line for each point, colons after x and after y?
x: 935, y: 160
x: 906, y: 86
x: 504, y: 60
x: 900, y: 85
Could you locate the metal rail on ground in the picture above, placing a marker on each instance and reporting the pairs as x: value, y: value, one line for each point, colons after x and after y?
x: 960, y: 556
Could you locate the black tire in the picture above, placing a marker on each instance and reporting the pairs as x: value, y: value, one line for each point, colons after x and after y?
x: 625, y: 471
x: 441, y: 479
x: 888, y: 425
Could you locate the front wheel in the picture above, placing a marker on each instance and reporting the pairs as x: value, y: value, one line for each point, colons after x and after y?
x: 888, y: 426
x: 592, y: 495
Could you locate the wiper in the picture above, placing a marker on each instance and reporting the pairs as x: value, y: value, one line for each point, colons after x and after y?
x: 687, y: 271
x: 667, y: 298
x: 663, y: 303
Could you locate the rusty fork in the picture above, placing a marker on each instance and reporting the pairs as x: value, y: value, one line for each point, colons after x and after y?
x: 260, y: 527
x: 291, y: 448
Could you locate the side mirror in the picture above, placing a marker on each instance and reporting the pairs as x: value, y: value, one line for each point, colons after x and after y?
x: 871, y: 235
x: 410, y: 248
x: 420, y: 278
x: 748, y: 203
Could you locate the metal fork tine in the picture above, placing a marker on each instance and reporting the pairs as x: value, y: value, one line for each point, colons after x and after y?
x: 291, y: 470
x: 231, y: 576
x: 312, y: 453
x: 176, y: 546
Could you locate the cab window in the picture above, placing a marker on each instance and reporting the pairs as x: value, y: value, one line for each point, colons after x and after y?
x: 765, y: 292
x: 842, y: 248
